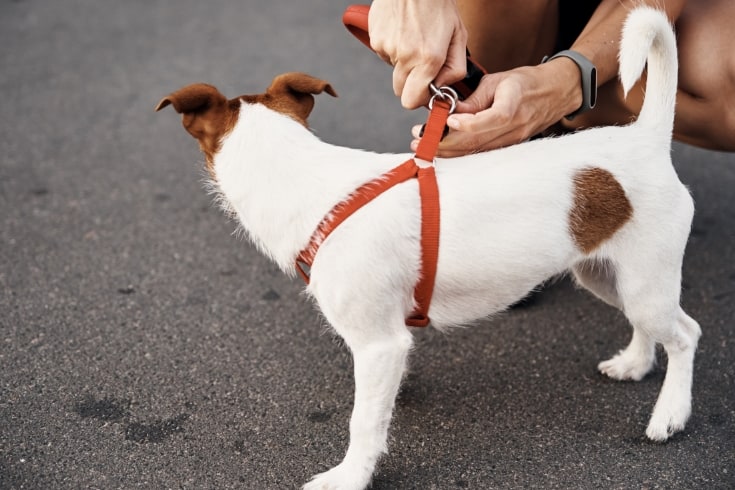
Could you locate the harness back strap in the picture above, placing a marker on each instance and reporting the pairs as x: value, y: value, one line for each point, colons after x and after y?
x: 430, y: 212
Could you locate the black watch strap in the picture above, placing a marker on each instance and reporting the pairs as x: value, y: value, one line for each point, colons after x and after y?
x: 588, y: 73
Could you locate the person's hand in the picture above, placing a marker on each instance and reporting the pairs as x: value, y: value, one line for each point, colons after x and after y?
x: 510, y: 107
x: 424, y: 40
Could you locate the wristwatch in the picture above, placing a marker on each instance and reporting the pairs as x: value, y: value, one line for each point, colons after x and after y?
x: 589, y: 79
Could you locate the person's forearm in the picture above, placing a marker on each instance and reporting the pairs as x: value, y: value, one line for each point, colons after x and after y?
x: 600, y: 39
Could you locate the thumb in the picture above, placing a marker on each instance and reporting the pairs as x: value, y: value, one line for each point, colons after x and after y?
x: 482, y: 97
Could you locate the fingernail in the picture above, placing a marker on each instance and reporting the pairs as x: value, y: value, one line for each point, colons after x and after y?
x: 452, y: 122
x: 414, y: 145
x: 416, y: 131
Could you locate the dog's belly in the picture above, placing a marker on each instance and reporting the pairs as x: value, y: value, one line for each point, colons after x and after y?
x: 478, y: 278
x: 500, y: 238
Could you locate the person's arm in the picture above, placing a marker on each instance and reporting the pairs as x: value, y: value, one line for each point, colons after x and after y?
x: 510, y: 107
x: 424, y: 40
x: 600, y: 39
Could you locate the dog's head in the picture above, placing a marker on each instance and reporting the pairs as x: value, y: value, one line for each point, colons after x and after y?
x: 209, y: 116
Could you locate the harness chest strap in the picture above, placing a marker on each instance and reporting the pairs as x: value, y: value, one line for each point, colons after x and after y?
x: 430, y: 212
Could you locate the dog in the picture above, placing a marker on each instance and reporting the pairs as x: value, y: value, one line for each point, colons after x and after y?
x: 603, y: 203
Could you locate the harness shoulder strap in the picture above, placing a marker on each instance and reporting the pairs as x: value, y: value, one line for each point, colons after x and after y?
x: 362, y: 195
x: 430, y: 212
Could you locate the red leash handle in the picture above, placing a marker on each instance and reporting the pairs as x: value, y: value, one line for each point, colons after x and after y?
x: 355, y: 19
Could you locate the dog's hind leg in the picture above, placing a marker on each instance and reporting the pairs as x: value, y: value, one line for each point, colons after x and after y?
x: 648, y: 285
x: 633, y: 362
x: 380, y: 361
x: 637, y: 359
x: 673, y: 406
x: 598, y: 277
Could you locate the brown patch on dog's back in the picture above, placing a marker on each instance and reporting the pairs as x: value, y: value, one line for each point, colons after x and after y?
x: 600, y: 208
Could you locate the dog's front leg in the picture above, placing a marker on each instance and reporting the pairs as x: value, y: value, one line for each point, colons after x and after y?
x: 379, y: 367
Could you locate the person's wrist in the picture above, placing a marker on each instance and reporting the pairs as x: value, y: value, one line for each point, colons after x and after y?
x: 586, y: 81
x: 563, y: 75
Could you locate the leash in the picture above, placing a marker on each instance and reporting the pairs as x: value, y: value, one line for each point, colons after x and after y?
x: 441, y: 104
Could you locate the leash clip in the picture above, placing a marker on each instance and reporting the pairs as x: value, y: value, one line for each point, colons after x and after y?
x: 444, y: 93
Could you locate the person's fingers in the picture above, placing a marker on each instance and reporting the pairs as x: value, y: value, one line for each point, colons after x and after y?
x: 457, y: 143
x: 385, y: 58
x: 400, y: 74
x: 450, y: 153
x: 415, y: 91
x: 382, y: 45
x: 467, y: 144
x: 496, y: 118
x: 455, y: 65
x: 480, y: 143
x: 482, y: 97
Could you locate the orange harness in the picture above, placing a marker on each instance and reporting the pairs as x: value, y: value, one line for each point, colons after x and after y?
x: 429, y: 193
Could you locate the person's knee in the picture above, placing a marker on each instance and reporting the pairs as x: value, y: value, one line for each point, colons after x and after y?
x: 706, y: 101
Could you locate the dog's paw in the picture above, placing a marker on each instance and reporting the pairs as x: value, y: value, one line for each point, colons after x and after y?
x: 341, y: 477
x: 665, y: 425
x: 670, y: 415
x: 624, y: 366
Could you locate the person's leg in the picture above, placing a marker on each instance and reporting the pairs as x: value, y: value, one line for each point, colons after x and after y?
x: 504, y: 35
x: 705, y: 105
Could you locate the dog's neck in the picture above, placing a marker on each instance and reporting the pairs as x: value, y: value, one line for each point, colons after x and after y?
x: 281, y: 180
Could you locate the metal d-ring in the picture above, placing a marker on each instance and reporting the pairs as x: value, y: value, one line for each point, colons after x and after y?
x: 444, y: 93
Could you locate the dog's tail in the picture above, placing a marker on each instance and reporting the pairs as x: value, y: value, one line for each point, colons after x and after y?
x: 648, y: 36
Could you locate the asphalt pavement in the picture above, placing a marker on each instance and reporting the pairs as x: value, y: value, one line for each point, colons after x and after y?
x: 144, y: 345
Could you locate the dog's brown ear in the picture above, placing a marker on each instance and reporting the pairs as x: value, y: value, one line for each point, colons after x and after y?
x: 300, y: 83
x: 193, y: 98
x: 292, y: 93
x: 206, y: 114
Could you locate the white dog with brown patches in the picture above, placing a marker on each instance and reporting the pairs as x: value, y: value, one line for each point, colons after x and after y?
x: 604, y: 203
